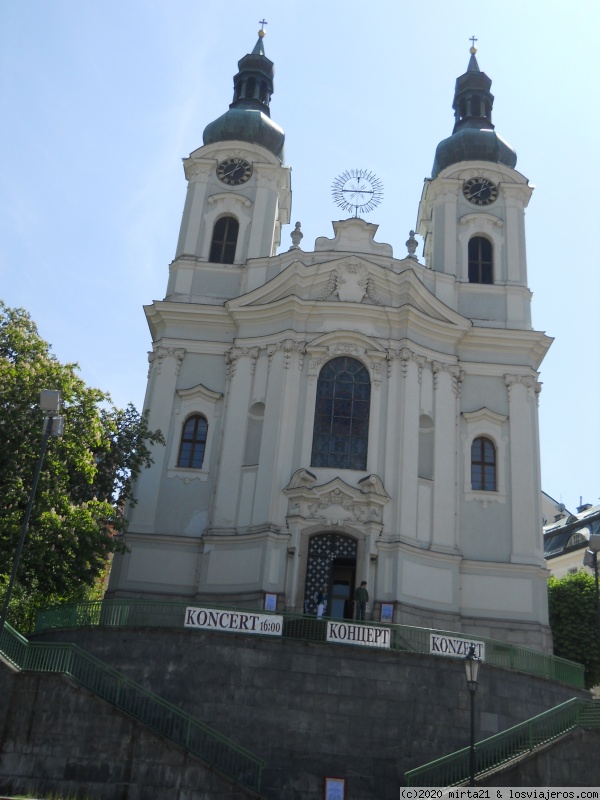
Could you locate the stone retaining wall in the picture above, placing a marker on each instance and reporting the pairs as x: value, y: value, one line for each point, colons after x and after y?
x: 311, y: 710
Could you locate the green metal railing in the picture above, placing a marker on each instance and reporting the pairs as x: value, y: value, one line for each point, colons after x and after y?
x: 221, y: 753
x: 492, y: 753
x: 156, y: 614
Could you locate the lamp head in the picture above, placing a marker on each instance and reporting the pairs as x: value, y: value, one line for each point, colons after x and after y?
x: 472, y: 665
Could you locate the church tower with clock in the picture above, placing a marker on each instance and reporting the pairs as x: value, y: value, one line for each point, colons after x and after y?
x: 340, y: 414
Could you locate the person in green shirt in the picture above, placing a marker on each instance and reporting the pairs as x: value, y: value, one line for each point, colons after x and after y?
x: 361, y: 598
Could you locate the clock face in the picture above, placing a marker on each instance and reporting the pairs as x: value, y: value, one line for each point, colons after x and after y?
x: 234, y: 171
x: 480, y: 191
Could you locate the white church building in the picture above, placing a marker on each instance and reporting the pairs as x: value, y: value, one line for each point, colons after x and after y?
x: 339, y: 414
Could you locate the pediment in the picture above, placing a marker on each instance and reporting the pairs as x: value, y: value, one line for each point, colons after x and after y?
x: 351, y: 280
x: 335, y: 502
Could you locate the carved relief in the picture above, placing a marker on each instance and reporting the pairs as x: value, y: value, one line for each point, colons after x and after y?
x: 233, y: 355
x: 288, y: 347
x: 405, y: 354
x: 527, y: 381
x: 376, y: 373
x: 331, y: 286
x: 456, y: 374
x: 157, y: 357
x: 351, y: 281
x: 335, y: 502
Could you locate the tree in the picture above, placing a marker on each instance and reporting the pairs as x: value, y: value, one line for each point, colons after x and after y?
x: 86, y: 484
x: 574, y: 622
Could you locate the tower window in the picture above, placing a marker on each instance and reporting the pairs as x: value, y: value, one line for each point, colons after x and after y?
x: 341, y: 430
x: 224, y: 240
x: 193, y: 442
x: 483, y: 465
x: 480, y: 260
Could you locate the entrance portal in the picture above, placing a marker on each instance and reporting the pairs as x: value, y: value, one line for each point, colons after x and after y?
x: 342, y: 588
x: 331, y: 563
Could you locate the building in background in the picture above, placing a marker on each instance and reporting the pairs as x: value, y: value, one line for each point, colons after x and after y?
x: 566, y: 538
x: 338, y: 414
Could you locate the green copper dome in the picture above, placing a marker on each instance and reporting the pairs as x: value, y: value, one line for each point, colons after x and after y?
x: 473, y: 137
x: 249, y: 117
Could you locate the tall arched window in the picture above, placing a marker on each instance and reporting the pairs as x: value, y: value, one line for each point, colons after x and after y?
x: 224, y: 240
x: 483, y: 465
x: 341, y: 430
x: 193, y: 442
x: 481, y: 265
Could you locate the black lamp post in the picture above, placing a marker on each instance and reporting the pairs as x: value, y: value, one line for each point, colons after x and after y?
x: 472, y: 664
x: 53, y: 426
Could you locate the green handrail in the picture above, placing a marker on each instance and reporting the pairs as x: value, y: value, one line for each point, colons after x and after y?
x: 221, y: 753
x: 157, y: 614
x: 491, y: 753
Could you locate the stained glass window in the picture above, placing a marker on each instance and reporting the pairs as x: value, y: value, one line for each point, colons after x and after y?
x: 483, y: 465
x: 193, y: 442
x: 341, y: 430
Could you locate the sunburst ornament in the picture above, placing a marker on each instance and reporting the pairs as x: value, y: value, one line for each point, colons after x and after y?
x: 357, y: 190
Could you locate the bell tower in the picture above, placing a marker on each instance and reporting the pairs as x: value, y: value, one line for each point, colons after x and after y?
x: 472, y: 211
x: 238, y: 194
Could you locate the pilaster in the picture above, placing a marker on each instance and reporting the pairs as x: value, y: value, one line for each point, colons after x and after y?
x: 165, y: 364
x: 446, y: 384
x: 411, y: 367
x: 240, y: 368
x: 524, y: 468
x: 286, y: 359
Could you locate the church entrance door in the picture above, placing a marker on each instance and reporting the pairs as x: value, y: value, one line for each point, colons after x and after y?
x: 342, y: 588
x: 331, y: 563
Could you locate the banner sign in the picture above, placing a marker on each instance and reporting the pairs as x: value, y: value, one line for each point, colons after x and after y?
x: 362, y: 635
x: 457, y: 648
x: 237, y: 621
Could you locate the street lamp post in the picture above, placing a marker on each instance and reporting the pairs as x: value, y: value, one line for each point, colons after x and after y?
x: 590, y: 559
x: 472, y: 665
x: 53, y: 426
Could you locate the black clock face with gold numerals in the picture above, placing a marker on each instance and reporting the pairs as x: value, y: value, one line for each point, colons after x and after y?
x: 480, y: 191
x: 234, y: 171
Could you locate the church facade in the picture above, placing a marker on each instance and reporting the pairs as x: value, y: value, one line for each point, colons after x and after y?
x: 339, y: 414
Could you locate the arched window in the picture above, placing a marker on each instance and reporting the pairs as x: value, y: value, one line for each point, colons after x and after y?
x: 224, y: 240
x: 480, y: 260
x: 341, y: 430
x: 193, y: 442
x: 483, y: 465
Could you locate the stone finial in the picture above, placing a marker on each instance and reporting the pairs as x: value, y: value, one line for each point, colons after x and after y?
x: 411, y: 246
x: 296, y: 236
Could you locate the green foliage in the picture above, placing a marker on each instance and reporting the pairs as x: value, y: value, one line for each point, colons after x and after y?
x: 574, y: 622
x: 86, y: 483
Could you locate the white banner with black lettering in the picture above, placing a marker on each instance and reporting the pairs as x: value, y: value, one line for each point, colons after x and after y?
x: 441, y: 645
x: 215, y: 619
x: 362, y: 635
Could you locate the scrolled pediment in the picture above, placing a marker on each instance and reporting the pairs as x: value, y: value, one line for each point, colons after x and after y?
x: 335, y: 502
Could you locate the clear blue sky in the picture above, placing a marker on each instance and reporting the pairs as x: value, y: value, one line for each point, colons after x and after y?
x: 102, y: 98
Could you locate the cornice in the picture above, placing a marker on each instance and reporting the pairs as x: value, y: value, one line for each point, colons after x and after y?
x: 165, y: 316
x: 528, y: 348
